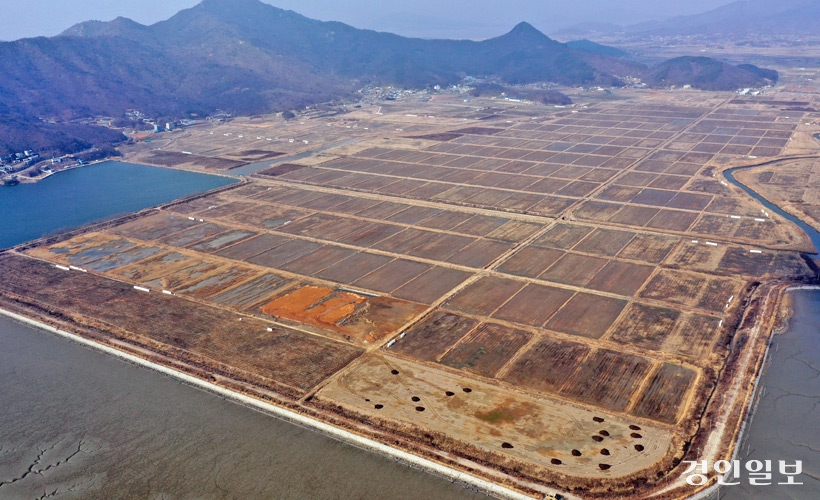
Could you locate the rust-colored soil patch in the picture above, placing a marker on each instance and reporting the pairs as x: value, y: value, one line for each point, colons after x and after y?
x: 360, y: 317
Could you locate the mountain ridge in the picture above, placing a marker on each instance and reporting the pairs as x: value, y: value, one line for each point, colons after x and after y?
x: 248, y: 57
x: 742, y: 17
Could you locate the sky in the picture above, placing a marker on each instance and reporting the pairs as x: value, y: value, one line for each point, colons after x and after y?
x: 474, y: 19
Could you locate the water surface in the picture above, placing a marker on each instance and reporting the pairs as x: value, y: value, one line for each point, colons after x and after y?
x: 79, y: 424
x: 95, y: 192
x: 101, y: 428
x: 812, y: 232
x: 784, y: 425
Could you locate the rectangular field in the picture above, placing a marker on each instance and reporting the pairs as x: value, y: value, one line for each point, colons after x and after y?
x: 434, y: 335
x: 534, y: 305
x: 487, y: 349
x: 484, y: 296
x: 251, y: 292
x: 645, y: 326
x: 522, y: 292
x: 663, y: 398
x: 586, y: 315
x: 607, y: 379
x: 547, y: 365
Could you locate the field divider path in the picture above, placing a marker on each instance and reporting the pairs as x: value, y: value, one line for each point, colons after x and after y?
x: 599, y: 343
x: 370, y: 195
x: 329, y: 211
x: 435, y: 305
x: 348, y: 246
x: 500, y: 383
x: 507, y: 366
x: 128, y: 346
x: 378, y: 345
x: 645, y: 383
x: 733, y: 411
x: 630, y: 167
x: 489, y: 270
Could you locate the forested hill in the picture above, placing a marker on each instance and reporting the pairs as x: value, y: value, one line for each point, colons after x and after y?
x: 248, y: 57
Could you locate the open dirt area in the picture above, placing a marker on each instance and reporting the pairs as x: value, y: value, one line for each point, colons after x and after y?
x: 551, y: 294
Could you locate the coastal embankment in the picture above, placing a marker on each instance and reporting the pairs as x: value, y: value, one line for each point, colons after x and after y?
x: 292, y: 417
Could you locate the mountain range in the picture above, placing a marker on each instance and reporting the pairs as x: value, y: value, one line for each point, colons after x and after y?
x: 248, y: 57
x: 750, y: 18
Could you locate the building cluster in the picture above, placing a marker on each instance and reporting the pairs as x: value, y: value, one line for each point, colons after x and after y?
x: 16, y: 162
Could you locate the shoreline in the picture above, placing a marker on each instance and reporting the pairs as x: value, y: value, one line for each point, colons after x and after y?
x: 69, y: 231
x: 290, y: 416
x: 341, y: 432
x: 730, y: 419
x: 35, y: 180
x: 429, y: 465
x: 754, y: 400
x: 122, y: 159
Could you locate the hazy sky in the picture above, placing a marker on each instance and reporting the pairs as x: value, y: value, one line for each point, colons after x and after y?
x: 476, y: 19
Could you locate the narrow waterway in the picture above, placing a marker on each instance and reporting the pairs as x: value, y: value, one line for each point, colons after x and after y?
x: 812, y: 232
x: 784, y: 423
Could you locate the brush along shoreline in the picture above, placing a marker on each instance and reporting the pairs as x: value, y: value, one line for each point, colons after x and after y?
x: 726, y: 418
x: 288, y: 415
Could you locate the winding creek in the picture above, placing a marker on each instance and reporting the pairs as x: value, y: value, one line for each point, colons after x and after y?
x: 813, y: 233
x: 784, y: 423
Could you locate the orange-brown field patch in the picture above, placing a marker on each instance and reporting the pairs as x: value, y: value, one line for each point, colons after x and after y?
x: 572, y: 359
x: 360, y: 317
